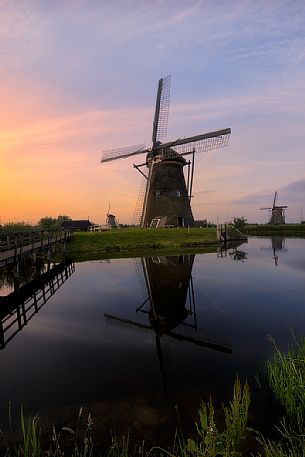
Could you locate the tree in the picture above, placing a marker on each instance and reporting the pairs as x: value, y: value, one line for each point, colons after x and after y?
x: 47, y: 222
x: 63, y: 218
x: 53, y: 222
x: 239, y: 222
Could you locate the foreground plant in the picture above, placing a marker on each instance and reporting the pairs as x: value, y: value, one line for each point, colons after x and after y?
x: 212, y: 442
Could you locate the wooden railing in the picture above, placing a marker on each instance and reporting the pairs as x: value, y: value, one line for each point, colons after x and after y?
x: 15, y: 244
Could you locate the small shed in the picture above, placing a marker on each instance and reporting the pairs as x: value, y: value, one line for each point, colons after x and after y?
x: 79, y: 226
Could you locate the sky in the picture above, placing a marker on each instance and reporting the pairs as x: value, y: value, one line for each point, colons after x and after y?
x: 80, y: 76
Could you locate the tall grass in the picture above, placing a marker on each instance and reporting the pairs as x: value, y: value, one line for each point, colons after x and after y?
x: 30, y: 443
x: 286, y: 379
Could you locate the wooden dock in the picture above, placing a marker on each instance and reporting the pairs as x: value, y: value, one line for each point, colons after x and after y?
x: 14, y: 245
x: 227, y: 232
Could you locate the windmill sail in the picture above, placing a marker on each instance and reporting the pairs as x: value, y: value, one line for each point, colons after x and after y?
x: 162, y: 110
x: 138, y: 211
x: 123, y: 153
x: 198, y: 143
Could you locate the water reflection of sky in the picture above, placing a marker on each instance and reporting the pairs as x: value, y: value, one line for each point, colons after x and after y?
x: 70, y: 354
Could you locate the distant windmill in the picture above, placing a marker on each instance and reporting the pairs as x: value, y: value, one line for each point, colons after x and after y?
x: 164, y: 197
x: 277, y: 213
x: 111, y: 220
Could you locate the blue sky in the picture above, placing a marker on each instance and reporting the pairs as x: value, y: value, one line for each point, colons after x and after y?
x: 78, y: 77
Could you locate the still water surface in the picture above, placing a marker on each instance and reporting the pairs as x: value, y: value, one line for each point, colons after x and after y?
x: 131, y: 338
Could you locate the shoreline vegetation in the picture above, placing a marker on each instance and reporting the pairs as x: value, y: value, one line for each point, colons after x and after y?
x: 225, y: 434
x: 135, y: 242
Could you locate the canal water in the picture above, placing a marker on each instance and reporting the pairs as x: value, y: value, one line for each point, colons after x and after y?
x: 139, y: 343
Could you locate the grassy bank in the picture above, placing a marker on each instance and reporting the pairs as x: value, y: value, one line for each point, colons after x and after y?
x: 133, y: 242
x: 136, y: 241
x: 293, y: 230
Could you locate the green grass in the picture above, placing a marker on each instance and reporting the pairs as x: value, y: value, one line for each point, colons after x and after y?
x: 134, y: 241
x: 286, y: 379
x: 294, y: 230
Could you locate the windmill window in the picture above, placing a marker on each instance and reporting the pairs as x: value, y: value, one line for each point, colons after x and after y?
x: 178, y: 193
x: 157, y: 194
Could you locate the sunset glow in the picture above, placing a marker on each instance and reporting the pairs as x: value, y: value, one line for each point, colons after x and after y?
x: 79, y: 77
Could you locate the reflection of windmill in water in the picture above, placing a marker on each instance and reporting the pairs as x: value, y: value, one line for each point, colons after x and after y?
x: 277, y: 213
x: 169, y: 304
x: 165, y: 196
x: 277, y: 244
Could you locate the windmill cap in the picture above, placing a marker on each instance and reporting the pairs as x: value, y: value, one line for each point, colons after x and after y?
x: 169, y: 155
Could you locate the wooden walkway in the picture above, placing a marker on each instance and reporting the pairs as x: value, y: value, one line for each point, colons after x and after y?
x: 13, y: 245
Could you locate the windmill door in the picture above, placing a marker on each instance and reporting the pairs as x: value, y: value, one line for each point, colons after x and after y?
x: 180, y: 221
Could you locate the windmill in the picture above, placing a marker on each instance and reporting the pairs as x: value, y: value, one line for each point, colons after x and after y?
x: 277, y: 213
x: 111, y: 220
x: 165, y: 194
x: 169, y: 304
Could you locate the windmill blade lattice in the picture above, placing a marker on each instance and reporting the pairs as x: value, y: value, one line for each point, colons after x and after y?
x: 203, y: 145
x: 200, y: 143
x: 138, y: 211
x: 201, y: 338
x: 123, y: 153
x: 162, y: 109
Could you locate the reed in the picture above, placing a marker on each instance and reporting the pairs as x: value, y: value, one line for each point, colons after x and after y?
x: 286, y: 379
x: 30, y: 443
x: 291, y: 444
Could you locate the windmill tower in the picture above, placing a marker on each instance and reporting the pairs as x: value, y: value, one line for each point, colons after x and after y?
x: 165, y: 194
x: 277, y: 213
